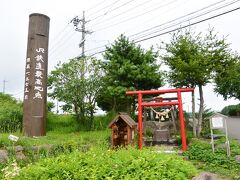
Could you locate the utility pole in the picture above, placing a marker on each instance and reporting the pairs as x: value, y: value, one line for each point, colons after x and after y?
x: 82, y: 22
x: 4, y: 85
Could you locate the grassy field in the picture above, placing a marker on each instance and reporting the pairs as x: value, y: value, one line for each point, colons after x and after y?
x: 69, y: 160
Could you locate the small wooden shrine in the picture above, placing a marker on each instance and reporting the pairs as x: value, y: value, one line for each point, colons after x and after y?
x: 123, y: 130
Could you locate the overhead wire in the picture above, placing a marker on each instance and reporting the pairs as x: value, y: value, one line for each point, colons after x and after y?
x: 68, y: 38
x: 107, y: 12
x: 179, y: 28
x: 96, y: 5
x: 187, y: 20
x: 128, y: 10
x: 191, y: 24
x: 194, y: 12
x: 167, y: 11
x: 178, y: 18
x: 59, y: 43
x: 99, y: 47
x: 136, y: 16
x: 60, y: 35
x: 56, y: 43
x: 105, y: 7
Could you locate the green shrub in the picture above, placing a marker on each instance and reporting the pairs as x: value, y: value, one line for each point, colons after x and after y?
x: 101, y: 122
x: 216, y: 162
x: 64, y: 123
x: 10, y: 114
x: 120, y: 164
x: 189, y: 137
x: 231, y: 110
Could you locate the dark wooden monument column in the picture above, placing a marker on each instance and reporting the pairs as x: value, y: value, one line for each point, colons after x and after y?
x: 35, y: 88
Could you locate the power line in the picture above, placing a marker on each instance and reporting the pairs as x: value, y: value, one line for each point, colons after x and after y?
x: 96, y: 5
x: 167, y: 11
x: 110, y: 5
x: 107, y: 12
x: 167, y: 32
x: 53, y: 50
x: 177, y: 19
x: 136, y: 16
x: 191, y: 24
x: 58, y: 43
x: 128, y: 10
x: 59, y: 33
x: 66, y: 39
x: 197, y: 16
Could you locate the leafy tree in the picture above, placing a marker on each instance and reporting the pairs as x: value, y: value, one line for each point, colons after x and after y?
x: 227, y: 78
x: 77, y: 83
x: 50, y: 106
x: 127, y: 67
x: 231, y: 110
x: 192, y: 59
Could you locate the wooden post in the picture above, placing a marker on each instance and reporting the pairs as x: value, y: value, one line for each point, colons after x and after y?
x: 181, y: 118
x: 140, y: 140
x: 35, y: 88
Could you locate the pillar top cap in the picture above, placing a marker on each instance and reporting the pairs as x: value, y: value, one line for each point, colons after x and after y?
x: 39, y: 14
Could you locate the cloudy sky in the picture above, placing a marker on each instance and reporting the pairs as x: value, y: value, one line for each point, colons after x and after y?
x: 107, y: 19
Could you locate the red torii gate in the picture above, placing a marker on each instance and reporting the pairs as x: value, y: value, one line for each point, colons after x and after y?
x: 179, y: 103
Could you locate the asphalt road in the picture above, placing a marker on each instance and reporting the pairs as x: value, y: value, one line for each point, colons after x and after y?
x: 233, y: 125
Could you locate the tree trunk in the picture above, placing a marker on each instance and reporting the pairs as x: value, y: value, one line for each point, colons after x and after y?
x: 114, y: 104
x: 200, y: 114
x: 91, y: 118
x: 173, y: 120
x: 193, y: 115
x: 76, y: 110
x: 129, y: 107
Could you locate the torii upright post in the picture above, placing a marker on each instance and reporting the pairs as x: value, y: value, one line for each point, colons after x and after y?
x: 35, y: 88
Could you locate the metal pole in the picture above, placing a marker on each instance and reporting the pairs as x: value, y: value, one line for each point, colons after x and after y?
x: 182, y: 126
x: 140, y: 121
x: 212, y: 140
x: 227, y: 141
x: 35, y: 89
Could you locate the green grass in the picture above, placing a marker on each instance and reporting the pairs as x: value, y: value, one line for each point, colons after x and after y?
x: 52, y: 137
x: 64, y: 123
x: 112, y: 164
x: 61, y: 129
x: 200, y: 153
x: 100, y: 162
x: 61, y: 143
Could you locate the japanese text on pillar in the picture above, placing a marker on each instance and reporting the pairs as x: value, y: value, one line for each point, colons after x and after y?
x: 39, y: 73
x: 27, y: 75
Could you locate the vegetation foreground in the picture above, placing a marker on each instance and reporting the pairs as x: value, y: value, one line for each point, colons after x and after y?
x: 98, y: 161
x: 69, y: 160
x: 78, y: 154
x: 112, y: 164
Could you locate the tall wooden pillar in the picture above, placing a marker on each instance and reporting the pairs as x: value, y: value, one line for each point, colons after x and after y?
x: 35, y: 88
